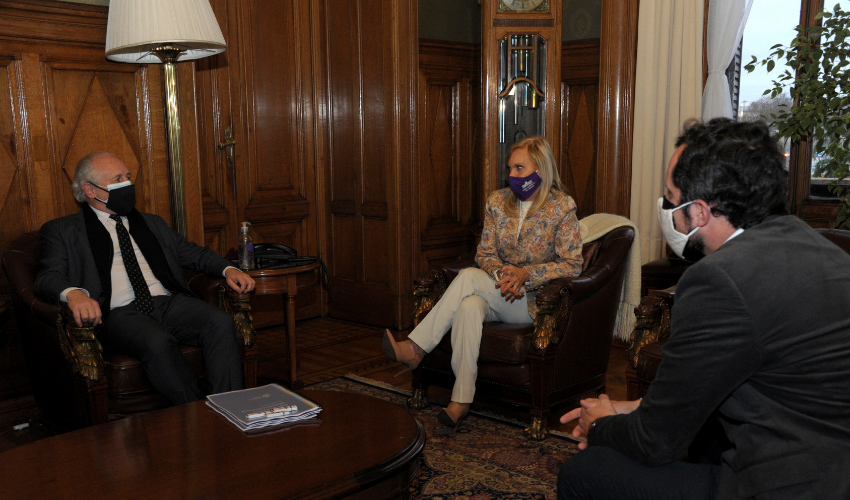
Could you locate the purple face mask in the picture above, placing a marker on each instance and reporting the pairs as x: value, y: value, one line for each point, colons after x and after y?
x: 525, y: 187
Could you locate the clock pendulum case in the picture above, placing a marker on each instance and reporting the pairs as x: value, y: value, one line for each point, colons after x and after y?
x: 521, y: 66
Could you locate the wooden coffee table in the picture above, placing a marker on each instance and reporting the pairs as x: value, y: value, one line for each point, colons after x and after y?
x: 364, y: 448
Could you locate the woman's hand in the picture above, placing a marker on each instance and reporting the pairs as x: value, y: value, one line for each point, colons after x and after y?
x: 512, y: 282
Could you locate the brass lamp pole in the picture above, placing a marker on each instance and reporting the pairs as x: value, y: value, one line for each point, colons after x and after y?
x: 169, y: 56
x: 163, y: 31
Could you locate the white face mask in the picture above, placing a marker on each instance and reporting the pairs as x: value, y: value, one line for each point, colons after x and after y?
x: 675, y: 239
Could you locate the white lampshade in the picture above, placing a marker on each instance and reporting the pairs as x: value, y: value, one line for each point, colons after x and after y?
x: 136, y: 27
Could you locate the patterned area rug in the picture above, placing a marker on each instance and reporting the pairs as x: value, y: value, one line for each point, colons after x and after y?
x: 487, y: 458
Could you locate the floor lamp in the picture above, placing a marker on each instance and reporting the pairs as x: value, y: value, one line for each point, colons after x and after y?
x: 165, y: 31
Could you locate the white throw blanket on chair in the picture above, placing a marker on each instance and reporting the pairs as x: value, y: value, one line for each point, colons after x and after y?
x: 596, y: 226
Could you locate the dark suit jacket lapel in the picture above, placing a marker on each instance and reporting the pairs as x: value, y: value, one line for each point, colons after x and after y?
x: 152, y: 250
x: 103, y: 251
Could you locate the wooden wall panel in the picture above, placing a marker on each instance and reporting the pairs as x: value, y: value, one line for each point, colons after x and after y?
x: 262, y: 89
x: 14, y: 195
x: 579, y: 122
x: 449, y: 150
x: 369, y: 64
x: 72, y: 101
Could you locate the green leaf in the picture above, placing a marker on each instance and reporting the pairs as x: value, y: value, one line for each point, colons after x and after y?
x: 770, y: 65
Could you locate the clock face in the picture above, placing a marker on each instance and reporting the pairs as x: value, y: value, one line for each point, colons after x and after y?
x: 523, y: 5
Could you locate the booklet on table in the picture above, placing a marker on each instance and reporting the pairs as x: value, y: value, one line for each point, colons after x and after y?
x: 264, y: 406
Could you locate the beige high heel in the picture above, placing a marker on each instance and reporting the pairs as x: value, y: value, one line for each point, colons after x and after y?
x: 444, y: 418
x: 393, y: 350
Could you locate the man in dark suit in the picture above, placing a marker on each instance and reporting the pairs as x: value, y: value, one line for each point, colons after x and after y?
x: 130, y: 281
x: 760, y: 333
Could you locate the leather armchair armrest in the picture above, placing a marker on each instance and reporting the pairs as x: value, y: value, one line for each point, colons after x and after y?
x: 582, y: 286
x: 203, y: 285
x: 46, y: 313
x: 427, y: 290
x: 555, y: 299
x: 430, y: 285
x: 215, y: 291
x: 451, y: 269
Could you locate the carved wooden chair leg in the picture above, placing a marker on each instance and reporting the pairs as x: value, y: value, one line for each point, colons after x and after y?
x: 538, y: 430
x: 542, y: 365
x: 419, y: 400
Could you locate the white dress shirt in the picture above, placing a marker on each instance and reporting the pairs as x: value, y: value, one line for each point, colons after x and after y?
x: 122, y: 290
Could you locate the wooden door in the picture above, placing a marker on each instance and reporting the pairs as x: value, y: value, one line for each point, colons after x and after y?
x: 371, y: 71
x: 262, y: 89
x: 448, y: 197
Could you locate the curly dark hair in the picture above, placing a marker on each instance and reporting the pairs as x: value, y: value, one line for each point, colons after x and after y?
x: 735, y: 167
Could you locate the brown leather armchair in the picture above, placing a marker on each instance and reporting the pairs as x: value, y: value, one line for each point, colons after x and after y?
x: 76, y: 383
x: 653, y: 328
x: 562, y: 356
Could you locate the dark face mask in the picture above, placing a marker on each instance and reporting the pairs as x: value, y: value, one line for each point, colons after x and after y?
x: 122, y: 196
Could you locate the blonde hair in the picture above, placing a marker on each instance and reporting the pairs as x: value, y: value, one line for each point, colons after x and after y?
x: 541, y: 153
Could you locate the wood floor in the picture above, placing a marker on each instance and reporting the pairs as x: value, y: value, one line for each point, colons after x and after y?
x: 329, y: 348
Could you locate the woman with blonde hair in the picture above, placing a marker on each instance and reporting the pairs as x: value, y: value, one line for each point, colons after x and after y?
x: 530, y: 236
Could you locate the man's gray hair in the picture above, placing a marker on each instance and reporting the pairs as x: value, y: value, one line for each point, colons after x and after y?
x: 84, y: 172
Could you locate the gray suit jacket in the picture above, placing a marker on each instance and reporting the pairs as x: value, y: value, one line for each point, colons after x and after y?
x: 760, y: 332
x: 67, y: 259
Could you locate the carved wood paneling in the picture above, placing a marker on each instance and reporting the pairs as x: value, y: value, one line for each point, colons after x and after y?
x: 73, y: 102
x: 579, y: 122
x: 449, y: 149
x: 261, y: 88
x: 370, y: 70
x: 14, y: 195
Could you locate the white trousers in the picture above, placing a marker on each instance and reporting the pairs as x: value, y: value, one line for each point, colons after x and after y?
x: 471, y: 299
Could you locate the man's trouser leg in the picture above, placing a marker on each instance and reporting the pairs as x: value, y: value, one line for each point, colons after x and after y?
x: 154, y: 340
x: 601, y: 473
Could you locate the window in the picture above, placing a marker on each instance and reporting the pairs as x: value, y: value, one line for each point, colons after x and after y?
x: 772, y: 22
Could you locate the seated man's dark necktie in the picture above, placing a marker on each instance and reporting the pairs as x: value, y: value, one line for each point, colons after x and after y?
x: 140, y: 287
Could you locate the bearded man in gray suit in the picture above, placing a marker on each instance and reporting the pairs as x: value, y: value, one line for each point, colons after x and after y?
x: 130, y: 283
x: 760, y: 337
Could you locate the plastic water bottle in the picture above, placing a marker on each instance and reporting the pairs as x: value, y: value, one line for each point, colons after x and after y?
x: 246, y: 248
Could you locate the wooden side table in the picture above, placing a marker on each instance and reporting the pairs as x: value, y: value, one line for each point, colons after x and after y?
x: 283, y: 280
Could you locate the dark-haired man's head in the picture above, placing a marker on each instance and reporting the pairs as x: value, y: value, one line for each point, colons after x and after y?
x: 723, y: 176
x: 737, y: 168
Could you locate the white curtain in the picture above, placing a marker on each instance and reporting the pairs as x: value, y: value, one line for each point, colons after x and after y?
x: 668, y: 88
x: 726, y: 21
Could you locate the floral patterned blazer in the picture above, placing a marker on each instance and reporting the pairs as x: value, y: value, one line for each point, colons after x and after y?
x: 548, y: 246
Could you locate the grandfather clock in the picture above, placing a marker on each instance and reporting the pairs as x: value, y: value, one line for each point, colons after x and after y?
x: 521, y: 66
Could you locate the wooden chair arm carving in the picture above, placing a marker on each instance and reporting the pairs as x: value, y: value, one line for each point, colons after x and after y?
x: 428, y: 289
x: 652, y: 324
x: 553, y: 310
x: 81, y: 348
x: 239, y: 306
